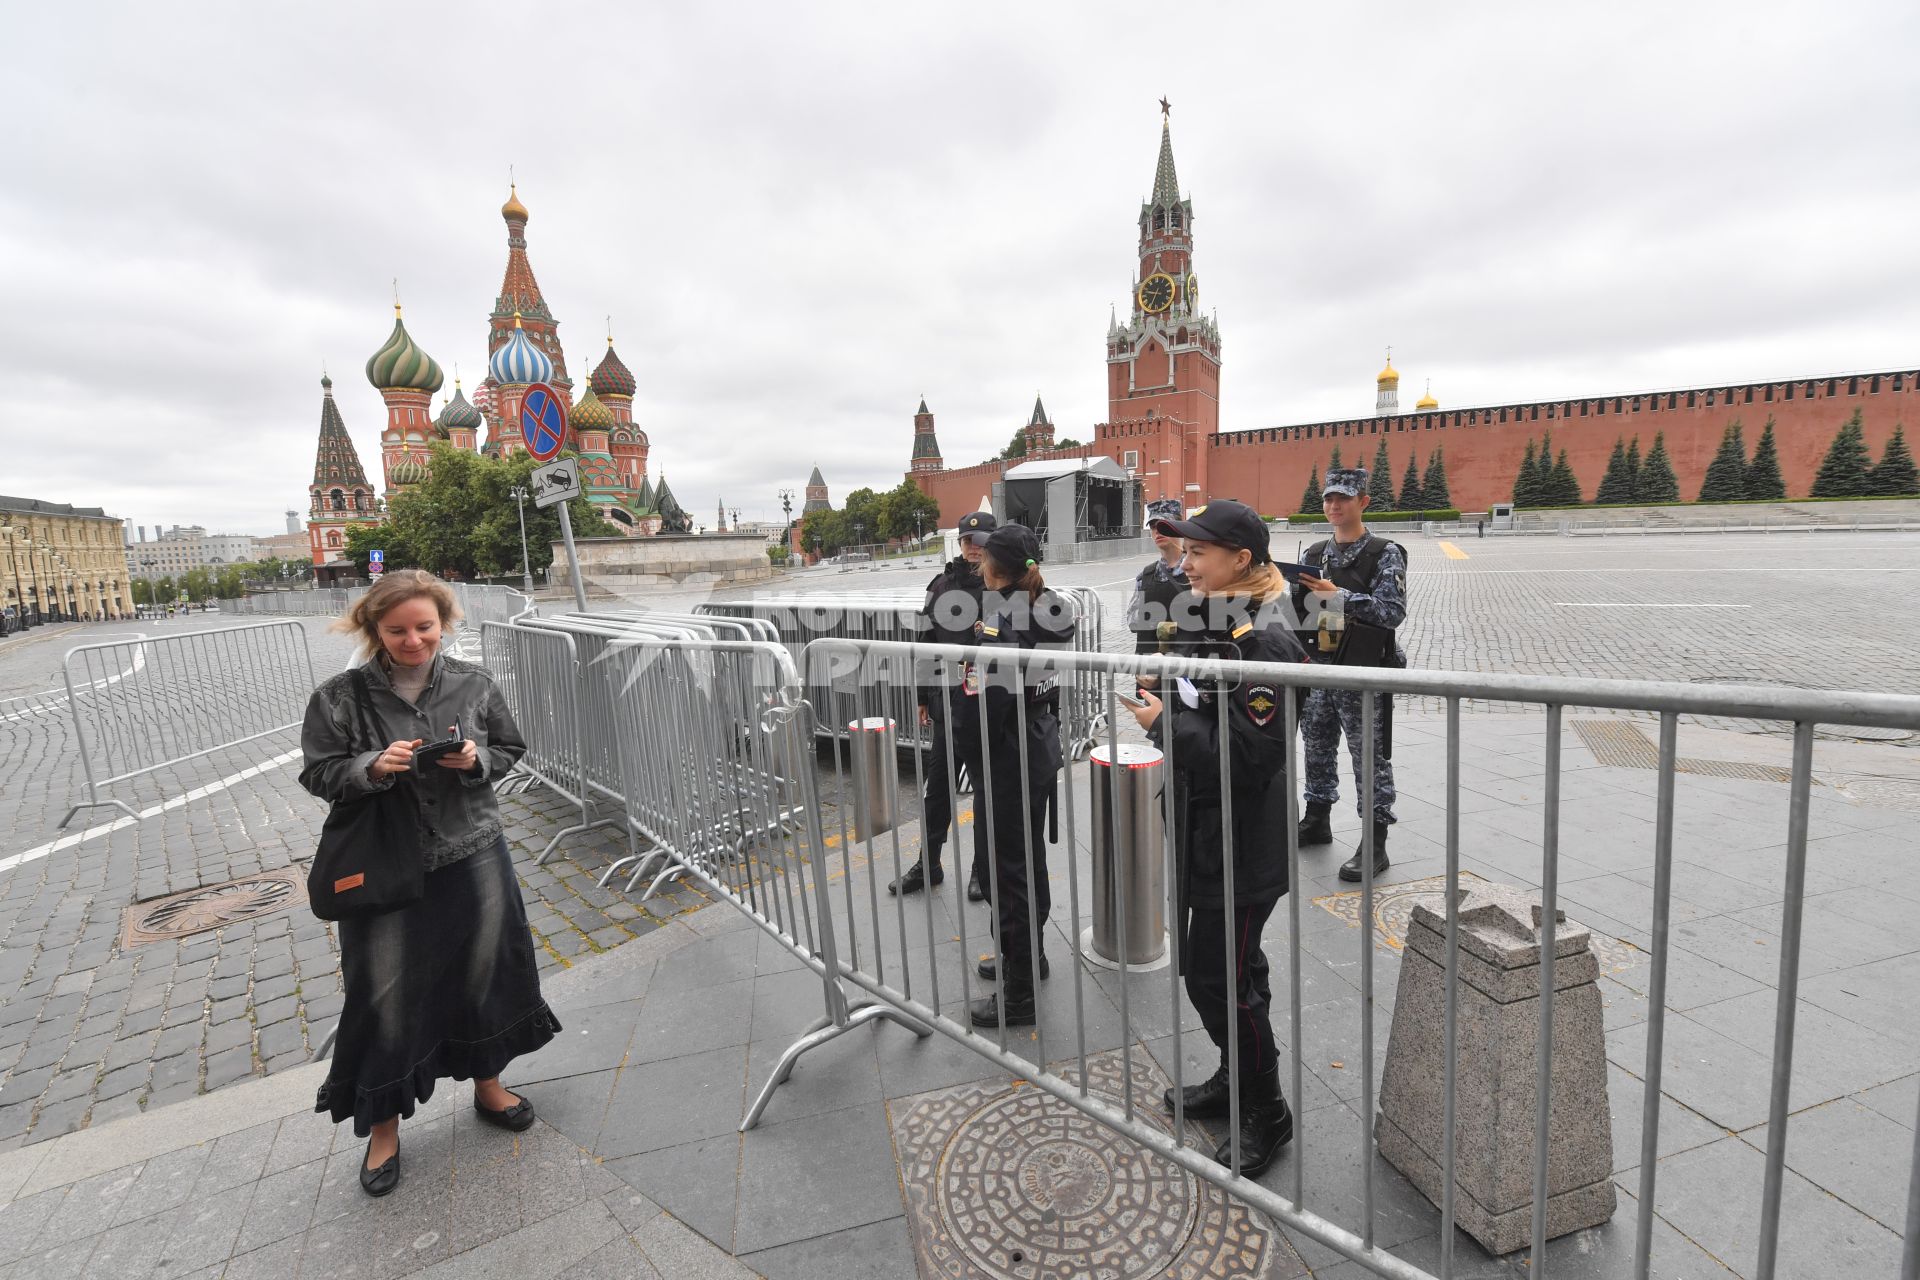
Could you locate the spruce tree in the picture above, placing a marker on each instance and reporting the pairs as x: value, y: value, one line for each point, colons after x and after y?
x: 1633, y: 470
x: 1412, y: 496
x: 1726, y: 479
x: 1616, y: 487
x: 1334, y: 463
x: 1563, y: 487
x: 1543, y: 472
x: 1763, y: 480
x: 1380, y: 484
x: 1526, y: 492
x: 1843, y: 472
x: 1310, y: 500
x: 1434, y: 487
x: 1895, y: 475
x: 1657, y: 481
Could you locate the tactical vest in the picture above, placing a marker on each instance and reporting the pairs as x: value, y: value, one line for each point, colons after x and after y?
x: 1356, y: 575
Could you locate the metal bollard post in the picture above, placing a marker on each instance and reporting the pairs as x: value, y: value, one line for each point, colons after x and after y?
x: 872, y: 747
x: 1129, y: 866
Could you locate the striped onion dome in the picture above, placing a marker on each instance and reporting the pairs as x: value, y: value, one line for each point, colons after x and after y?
x: 590, y: 414
x: 408, y: 471
x: 611, y: 377
x: 460, y: 413
x: 519, y: 361
x: 402, y: 364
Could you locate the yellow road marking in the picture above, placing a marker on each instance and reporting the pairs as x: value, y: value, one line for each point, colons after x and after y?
x: 1453, y: 552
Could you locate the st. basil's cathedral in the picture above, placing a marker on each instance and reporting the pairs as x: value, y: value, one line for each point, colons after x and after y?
x: 523, y: 346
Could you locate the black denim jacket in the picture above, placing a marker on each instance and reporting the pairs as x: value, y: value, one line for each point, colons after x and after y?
x: 458, y: 811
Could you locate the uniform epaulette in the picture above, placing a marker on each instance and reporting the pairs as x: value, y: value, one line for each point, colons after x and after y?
x: 1242, y: 629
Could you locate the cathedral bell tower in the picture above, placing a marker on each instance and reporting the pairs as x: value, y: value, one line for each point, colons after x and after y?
x: 1163, y: 364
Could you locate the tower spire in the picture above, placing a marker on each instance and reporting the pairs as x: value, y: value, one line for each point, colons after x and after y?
x: 1166, y: 184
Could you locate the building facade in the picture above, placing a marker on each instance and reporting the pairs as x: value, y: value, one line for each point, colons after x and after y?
x: 60, y: 563
x: 184, y: 548
x: 339, y: 496
x: 1163, y: 410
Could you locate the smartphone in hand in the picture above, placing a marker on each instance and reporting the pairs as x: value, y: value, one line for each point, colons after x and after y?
x: 427, y: 753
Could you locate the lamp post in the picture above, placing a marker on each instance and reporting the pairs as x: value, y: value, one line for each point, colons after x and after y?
x: 519, y: 493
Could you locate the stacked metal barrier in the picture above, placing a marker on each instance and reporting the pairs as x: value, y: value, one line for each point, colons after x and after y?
x: 319, y: 602
x: 143, y: 704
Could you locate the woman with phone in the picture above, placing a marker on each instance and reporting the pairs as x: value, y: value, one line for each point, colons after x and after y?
x: 1009, y: 818
x: 446, y: 987
x: 1243, y: 616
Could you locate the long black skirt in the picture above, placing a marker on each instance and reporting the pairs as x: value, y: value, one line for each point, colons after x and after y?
x: 444, y: 989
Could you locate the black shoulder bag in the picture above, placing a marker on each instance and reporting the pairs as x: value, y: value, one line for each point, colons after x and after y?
x: 369, y: 860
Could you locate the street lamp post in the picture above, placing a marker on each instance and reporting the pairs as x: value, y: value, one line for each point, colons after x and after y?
x: 519, y: 493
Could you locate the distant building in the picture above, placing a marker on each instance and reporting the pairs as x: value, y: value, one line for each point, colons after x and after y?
x: 183, y: 548
x: 60, y: 563
x: 283, y: 546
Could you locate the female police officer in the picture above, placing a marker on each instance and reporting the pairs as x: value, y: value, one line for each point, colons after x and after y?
x: 1242, y: 600
x: 1018, y: 613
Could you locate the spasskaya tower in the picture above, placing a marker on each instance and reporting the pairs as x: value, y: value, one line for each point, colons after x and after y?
x: 1163, y: 364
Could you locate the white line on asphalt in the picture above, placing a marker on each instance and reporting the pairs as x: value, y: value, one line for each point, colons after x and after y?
x: 139, y: 660
x: 1641, y: 604
x: 81, y: 837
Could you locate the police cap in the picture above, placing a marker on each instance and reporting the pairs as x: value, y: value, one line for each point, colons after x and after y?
x: 976, y: 525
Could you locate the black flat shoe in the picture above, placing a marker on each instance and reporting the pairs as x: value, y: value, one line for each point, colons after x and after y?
x: 1021, y: 1011
x: 381, y: 1181
x: 915, y: 880
x: 517, y: 1118
x: 974, y: 892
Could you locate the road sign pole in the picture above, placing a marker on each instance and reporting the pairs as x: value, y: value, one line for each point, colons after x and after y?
x: 573, y: 560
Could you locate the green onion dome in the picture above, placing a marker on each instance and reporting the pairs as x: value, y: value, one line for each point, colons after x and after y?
x: 409, y: 471
x: 402, y: 364
x: 590, y: 414
x: 459, y: 412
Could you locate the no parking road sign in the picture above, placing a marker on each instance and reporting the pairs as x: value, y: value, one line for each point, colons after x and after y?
x: 543, y: 422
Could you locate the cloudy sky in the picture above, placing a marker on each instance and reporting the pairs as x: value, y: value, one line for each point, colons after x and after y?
x: 803, y: 217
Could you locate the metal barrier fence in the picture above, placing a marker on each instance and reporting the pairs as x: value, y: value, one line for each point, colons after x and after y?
x: 799, y: 620
x: 144, y: 704
x: 881, y: 947
x: 318, y: 602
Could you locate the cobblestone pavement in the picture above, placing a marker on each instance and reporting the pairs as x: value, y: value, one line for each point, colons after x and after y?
x: 93, y: 1029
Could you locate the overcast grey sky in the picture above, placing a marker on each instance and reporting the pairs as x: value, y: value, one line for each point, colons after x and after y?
x: 802, y: 217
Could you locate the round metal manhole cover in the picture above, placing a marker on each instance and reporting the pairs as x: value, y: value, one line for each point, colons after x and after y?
x: 1883, y: 792
x: 213, y: 906
x: 1028, y: 1189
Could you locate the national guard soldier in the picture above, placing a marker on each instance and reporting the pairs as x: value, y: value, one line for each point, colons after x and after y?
x: 1160, y: 583
x: 1244, y: 614
x: 947, y: 616
x: 1361, y: 598
x: 1009, y: 819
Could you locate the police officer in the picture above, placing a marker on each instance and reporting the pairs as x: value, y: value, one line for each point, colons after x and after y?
x: 1362, y: 578
x: 1020, y: 613
x: 947, y: 616
x: 1243, y: 613
x: 1160, y: 583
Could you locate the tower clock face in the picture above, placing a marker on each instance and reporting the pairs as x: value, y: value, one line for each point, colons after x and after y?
x: 1156, y: 292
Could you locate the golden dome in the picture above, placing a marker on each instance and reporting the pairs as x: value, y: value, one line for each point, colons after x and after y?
x: 1389, y: 376
x: 1427, y: 401
x: 513, y: 208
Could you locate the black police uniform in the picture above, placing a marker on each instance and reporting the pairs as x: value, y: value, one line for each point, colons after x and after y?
x: 1155, y: 589
x: 947, y: 615
x: 1016, y: 817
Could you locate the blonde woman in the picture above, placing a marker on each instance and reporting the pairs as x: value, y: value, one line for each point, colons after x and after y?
x: 448, y: 987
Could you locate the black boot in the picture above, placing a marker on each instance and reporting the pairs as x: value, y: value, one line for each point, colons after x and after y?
x: 989, y: 969
x: 974, y: 892
x: 1021, y: 1009
x: 915, y: 879
x: 1350, y: 869
x: 1206, y: 1099
x: 1316, y: 827
x: 1266, y: 1125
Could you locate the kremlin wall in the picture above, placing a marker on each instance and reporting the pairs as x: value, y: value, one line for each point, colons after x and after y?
x: 1164, y: 392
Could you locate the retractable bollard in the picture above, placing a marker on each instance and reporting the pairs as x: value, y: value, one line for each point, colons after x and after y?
x: 1129, y: 855
x: 872, y: 755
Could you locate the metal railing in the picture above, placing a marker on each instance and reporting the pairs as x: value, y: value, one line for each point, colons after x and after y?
x: 144, y: 704
x: 868, y: 926
x: 318, y: 602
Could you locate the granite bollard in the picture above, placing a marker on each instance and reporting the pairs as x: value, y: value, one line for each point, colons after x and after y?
x: 1499, y: 1036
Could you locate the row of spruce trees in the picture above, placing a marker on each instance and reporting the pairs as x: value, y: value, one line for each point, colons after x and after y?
x: 1546, y: 480
x: 1418, y: 491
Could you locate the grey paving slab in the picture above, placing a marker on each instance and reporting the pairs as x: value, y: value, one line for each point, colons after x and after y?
x: 1853, y: 1153
x: 677, y: 1100
x: 575, y: 1105
x: 282, y: 1206
x: 877, y: 1251
x: 592, y: 1040
x: 697, y: 1183
x: 618, y: 1259
x: 1896, y: 1101
x: 815, y: 1174
x: 676, y: 1023
x: 677, y: 1252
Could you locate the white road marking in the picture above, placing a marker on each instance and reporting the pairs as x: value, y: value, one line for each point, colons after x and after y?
x: 1641, y: 604
x: 81, y: 837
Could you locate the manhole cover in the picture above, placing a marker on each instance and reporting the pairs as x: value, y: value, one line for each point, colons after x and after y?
x: 1012, y: 1184
x: 1393, y: 915
x: 1886, y: 793
x: 212, y: 906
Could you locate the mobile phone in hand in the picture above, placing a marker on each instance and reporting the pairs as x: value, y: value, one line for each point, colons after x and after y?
x: 431, y: 751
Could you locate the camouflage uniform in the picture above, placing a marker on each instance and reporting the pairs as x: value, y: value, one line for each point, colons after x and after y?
x: 1330, y: 712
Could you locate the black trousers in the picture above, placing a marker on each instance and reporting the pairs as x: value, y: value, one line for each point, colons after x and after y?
x: 1220, y: 993
x: 1018, y: 906
x: 936, y: 807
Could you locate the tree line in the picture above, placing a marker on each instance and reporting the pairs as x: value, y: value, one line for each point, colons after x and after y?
x: 1419, y: 489
x: 868, y: 517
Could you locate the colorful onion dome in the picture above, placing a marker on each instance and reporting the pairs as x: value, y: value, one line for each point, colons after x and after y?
x: 401, y: 364
x: 519, y: 361
x: 611, y: 377
x: 408, y: 470
x: 513, y: 210
x: 460, y: 413
x: 590, y: 414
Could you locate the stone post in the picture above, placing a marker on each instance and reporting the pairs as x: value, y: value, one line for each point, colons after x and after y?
x: 1499, y: 1035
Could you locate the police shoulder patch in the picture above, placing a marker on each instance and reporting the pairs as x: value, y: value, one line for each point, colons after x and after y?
x: 1262, y: 701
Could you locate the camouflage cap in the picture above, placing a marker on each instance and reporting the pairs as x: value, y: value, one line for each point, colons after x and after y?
x: 1163, y: 509
x: 1351, y: 481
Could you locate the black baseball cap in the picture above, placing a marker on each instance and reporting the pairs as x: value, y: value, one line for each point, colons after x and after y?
x: 1229, y: 523
x: 976, y: 525
x: 1014, y: 548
